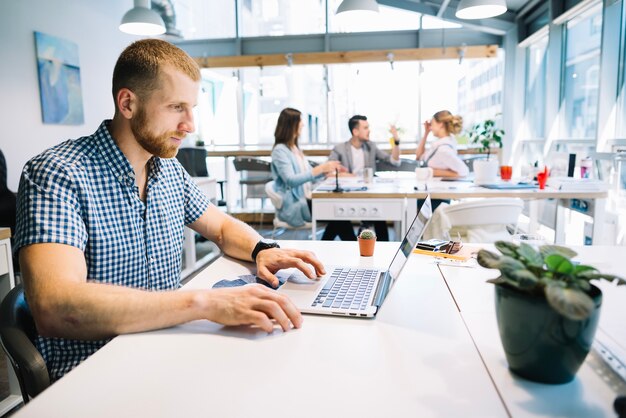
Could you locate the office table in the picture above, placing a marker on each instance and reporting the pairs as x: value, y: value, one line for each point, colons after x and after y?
x: 394, y: 198
x: 432, y: 351
x: 415, y: 359
x: 592, y: 392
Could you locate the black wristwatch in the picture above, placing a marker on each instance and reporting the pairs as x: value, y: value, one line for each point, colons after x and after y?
x: 396, y: 141
x: 264, y: 244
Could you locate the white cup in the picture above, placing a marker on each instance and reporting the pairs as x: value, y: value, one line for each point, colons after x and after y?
x: 423, y: 174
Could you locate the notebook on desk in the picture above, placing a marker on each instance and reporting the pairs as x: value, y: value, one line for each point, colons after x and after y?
x: 509, y: 186
x: 355, y: 291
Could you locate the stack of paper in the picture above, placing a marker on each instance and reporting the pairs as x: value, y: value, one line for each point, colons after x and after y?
x: 571, y: 184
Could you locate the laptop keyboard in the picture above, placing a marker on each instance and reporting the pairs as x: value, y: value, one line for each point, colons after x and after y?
x: 347, y: 288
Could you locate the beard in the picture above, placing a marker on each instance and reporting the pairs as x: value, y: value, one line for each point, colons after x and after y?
x: 155, y: 144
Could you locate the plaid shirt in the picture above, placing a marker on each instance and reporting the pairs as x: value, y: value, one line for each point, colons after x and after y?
x: 83, y: 193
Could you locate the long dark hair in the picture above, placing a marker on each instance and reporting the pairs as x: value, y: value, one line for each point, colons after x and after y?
x: 287, y: 127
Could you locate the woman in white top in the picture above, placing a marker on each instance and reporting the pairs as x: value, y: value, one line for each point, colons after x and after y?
x: 442, y: 156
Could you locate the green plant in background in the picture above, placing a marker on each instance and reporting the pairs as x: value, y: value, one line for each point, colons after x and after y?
x: 367, y: 234
x: 549, y: 272
x: 486, y: 134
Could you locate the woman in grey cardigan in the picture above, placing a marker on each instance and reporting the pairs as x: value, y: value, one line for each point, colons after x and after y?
x: 292, y: 173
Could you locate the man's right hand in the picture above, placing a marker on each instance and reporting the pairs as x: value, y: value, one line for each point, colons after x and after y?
x: 253, y: 304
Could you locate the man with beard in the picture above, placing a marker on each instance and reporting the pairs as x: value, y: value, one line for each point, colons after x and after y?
x: 101, y: 219
x: 359, y: 153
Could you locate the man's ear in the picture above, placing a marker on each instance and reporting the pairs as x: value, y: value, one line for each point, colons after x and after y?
x: 126, y: 102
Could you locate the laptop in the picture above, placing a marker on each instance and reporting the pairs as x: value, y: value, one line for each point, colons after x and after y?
x: 355, y: 291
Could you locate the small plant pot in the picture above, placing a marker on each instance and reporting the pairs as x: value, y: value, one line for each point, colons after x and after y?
x: 366, y: 247
x: 540, y: 344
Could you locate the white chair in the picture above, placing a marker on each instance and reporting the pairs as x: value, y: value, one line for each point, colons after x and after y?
x: 482, y: 220
x: 277, y: 202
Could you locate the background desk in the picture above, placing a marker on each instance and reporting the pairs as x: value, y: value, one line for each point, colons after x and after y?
x: 415, y: 360
x: 387, y: 196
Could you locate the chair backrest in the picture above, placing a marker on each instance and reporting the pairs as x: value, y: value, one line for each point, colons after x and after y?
x: 251, y: 164
x: 17, y: 335
x: 488, y: 211
x: 194, y: 161
x: 275, y: 197
x: 405, y: 165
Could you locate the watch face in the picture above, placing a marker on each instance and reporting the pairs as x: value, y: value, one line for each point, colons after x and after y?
x: 267, y: 241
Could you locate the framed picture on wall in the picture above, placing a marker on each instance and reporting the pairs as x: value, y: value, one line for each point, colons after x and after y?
x: 59, y: 80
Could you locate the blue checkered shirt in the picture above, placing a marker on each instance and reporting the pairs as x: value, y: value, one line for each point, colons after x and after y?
x: 83, y: 193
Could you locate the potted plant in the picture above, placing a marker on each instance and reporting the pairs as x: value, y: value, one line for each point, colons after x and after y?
x: 367, y: 241
x: 546, y: 307
x: 486, y: 135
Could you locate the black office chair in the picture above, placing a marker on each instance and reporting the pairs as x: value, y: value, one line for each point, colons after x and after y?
x: 405, y: 165
x: 254, y: 173
x: 194, y: 161
x: 17, y: 335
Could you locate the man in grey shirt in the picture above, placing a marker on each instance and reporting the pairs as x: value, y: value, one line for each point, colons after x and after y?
x: 359, y: 153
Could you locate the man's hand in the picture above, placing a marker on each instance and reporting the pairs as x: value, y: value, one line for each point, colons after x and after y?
x: 254, y: 304
x: 270, y: 261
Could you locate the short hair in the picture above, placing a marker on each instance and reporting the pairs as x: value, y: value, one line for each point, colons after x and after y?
x: 354, y: 122
x: 287, y: 127
x: 139, y: 65
x: 452, y: 123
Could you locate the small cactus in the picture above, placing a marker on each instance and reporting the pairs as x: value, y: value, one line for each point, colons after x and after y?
x: 367, y: 234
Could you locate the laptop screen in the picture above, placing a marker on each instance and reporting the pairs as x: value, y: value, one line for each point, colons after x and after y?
x: 413, y: 235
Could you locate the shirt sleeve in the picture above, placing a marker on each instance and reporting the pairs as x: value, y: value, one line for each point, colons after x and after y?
x: 447, y: 158
x: 385, y: 156
x: 284, y: 169
x: 196, y: 202
x: 49, y: 209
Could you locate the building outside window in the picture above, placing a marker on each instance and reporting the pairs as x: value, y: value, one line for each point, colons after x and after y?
x: 535, y: 96
x: 581, y: 74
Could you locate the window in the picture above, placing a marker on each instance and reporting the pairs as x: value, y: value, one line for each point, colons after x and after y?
x: 581, y: 74
x: 281, y: 17
x: 621, y: 119
x: 216, y: 113
x: 535, y: 102
x: 205, y: 19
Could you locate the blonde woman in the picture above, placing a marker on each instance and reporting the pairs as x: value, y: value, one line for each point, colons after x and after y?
x: 442, y: 156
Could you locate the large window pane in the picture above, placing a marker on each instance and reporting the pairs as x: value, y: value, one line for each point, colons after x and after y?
x: 269, y: 90
x: 205, y: 19
x: 480, y: 89
x: 281, y: 17
x: 621, y: 119
x: 358, y: 89
x: 581, y: 74
x: 535, y: 103
x: 216, y: 113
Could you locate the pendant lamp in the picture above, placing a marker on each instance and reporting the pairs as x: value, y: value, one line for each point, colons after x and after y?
x: 142, y: 20
x: 480, y: 9
x: 358, y: 5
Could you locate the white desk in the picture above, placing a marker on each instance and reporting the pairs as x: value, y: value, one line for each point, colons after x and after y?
x: 394, y: 198
x: 416, y: 360
x: 590, y: 394
x: 7, y: 282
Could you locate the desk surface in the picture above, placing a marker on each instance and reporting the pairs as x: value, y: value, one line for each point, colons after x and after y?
x: 418, y: 358
x: 401, y: 185
x: 322, y: 150
x: 415, y: 359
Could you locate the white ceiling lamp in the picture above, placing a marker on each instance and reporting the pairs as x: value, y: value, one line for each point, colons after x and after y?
x: 357, y: 5
x: 480, y: 9
x: 142, y: 20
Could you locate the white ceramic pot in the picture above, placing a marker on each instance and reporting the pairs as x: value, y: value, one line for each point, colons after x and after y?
x: 486, y: 171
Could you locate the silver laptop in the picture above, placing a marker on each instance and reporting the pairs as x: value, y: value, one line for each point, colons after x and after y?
x: 355, y: 291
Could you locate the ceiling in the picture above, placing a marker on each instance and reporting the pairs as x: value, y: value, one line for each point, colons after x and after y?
x: 446, y: 9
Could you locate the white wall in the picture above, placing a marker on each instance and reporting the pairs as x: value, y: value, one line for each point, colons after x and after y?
x: 93, y: 26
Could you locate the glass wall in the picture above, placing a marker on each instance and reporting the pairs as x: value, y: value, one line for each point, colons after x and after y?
x: 281, y: 17
x: 621, y: 118
x: 581, y: 74
x: 205, y: 19
x: 535, y: 96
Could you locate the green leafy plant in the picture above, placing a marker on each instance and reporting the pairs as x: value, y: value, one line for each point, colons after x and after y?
x: 487, y: 135
x: 367, y: 234
x: 549, y: 272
